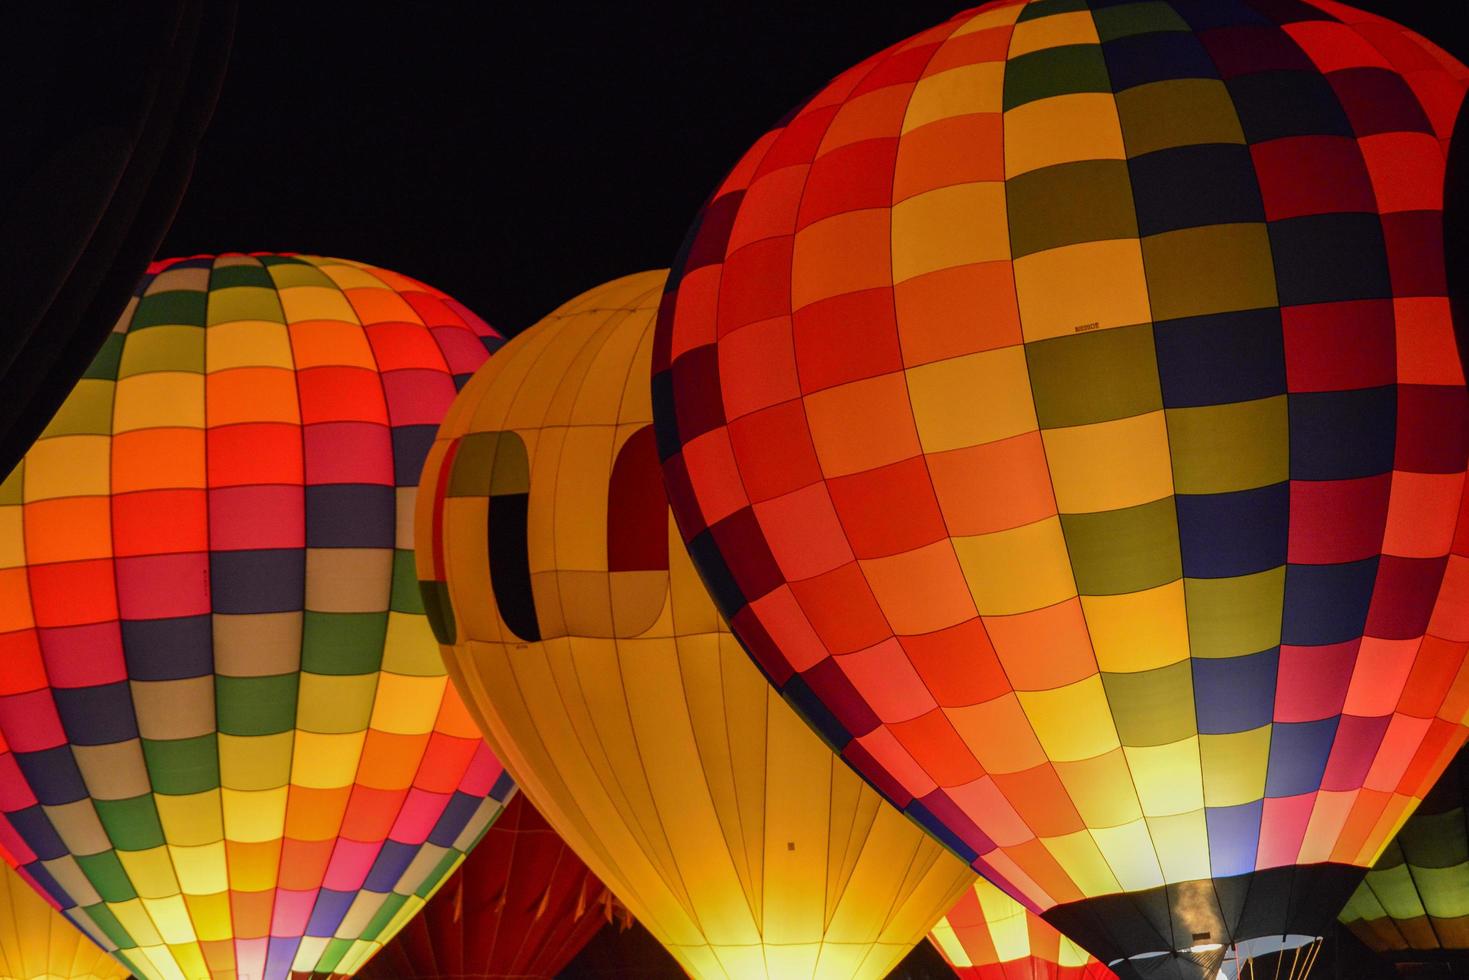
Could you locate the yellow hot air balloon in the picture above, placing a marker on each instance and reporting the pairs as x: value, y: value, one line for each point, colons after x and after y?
x: 38, y: 943
x: 587, y: 646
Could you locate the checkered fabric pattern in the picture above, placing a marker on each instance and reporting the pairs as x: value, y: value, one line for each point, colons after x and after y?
x: 1064, y: 406
x: 227, y: 743
x: 1414, y: 903
x: 988, y: 935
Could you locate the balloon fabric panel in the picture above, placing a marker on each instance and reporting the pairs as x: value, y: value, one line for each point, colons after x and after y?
x: 1064, y: 407
x: 988, y: 935
x: 38, y: 943
x: 600, y: 670
x: 520, y: 906
x: 1414, y: 903
x: 228, y: 745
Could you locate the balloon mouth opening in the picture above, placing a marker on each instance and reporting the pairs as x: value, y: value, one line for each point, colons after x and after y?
x: 1231, y: 957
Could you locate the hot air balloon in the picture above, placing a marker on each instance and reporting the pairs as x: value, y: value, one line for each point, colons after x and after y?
x: 1413, y: 906
x: 1064, y: 408
x: 988, y: 935
x: 226, y: 739
x: 520, y: 906
x: 95, y: 160
x: 589, y: 651
x: 38, y: 943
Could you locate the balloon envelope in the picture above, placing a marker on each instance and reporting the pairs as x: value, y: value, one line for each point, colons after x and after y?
x: 38, y: 943
x: 591, y: 653
x: 1413, y: 906
x: 988, y: 935
x: 520, y: 906
x: 226, y: 738
x: 1065, y: 408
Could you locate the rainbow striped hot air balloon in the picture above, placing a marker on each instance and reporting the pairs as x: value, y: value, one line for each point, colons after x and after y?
x: 227, y: 743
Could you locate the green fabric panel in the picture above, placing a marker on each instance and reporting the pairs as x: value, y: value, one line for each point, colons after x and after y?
x: 1444, y: 891
x: 166, y: 348
x: 512, y: 466
x: 1063, y: 70
x: 12, y: 488
x: 1094, y: 377
x: 178, y: 306
x: 86, y: 411
x: 334, y: 704
x: 1395, y: 890
x: 245, y: 303
x: 474, y: 464
x: 432, y: 879
x: 1363, y: 906
x: 1435, y: 840
x: 1214, y: 269
x: 274, y: 260
x: 343, y: 643
x: 131, y: 824
x: 1177, y: 112
x: 1119, y: 551
x: 298, y: 274
x: 391, y: 904
x: 1136, y: 18
x: 1086, y: 201
x: 440, y: 611
x: 1153, y: 707
x: 104, y: 365
x: 1231, y: 617
x: 331, y: 956
x: 1045, y: 8
x: 112, y: 929
x: 256, y: 705
x: 108, y: 876
x: 1224, y: 448
x: 226, y: 276
x: 405, y: 597
x: 179, y: 767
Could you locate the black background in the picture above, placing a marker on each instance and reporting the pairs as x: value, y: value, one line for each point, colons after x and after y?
x: 516, y: 154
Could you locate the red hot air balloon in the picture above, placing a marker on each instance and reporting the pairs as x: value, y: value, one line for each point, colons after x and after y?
x: 1065, y: 408
x: 521, y: 906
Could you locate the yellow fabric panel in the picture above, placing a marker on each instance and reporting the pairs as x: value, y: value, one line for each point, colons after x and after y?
x: 1109, y: 465
x: 956, y: 92
x: 1137, y: 631
x: 38, y: 941
x: 1001, y: 374
x: 948, y: 227
x: 657, y: 749
x: 1093, y: 285
x: 1072, y: 722
x: 164, y: 398
x: 1018, y: 569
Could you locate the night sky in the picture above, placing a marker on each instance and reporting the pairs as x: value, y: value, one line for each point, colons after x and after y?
x: 516, y: 154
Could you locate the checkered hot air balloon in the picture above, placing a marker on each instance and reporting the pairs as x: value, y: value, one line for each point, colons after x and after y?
x: 227, y: 743
x: 1065, y: 408
x: 988, y: 935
